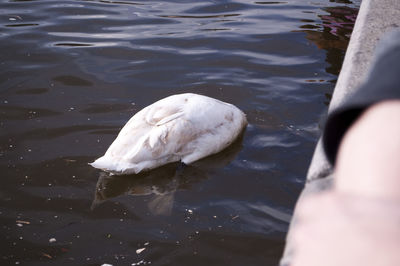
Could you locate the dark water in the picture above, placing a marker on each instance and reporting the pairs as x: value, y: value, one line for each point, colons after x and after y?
x: 73, y: 72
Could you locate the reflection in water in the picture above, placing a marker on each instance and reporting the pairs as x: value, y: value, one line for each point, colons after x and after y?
x: 163, y: 182
x: 334, y: 37
x: 337, y: 26
x: 340, y: 21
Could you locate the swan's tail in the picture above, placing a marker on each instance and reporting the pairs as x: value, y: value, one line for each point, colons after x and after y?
x: 106, y: 164
x: 115, y: 167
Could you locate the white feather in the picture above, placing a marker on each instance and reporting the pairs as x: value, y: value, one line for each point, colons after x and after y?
x: 184, y: 127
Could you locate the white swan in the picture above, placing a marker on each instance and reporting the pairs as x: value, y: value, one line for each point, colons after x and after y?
x: 184, y: 127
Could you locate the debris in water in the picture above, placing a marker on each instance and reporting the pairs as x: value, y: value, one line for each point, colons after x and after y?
x: 22, y: 222
x: 52, y: 240
x: 47, y: 255
x: 141, y: 262
x: 140, y: 250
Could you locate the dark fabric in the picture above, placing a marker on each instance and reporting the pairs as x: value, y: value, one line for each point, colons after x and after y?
x: 383, y: 84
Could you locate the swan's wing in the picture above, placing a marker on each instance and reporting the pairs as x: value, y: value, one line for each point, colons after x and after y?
x: 161, y: 118
x: 159, y: 140
x: 159, y: 114
x: 169, y: 118
x: 156, y: 135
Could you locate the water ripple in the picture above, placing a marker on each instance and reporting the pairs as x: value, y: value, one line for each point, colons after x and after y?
x: 257, y: 217
x: 263, y: 141
x: 72, y: 73
x: 22, y: 25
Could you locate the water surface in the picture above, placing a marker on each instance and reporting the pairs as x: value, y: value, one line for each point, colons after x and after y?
x: 73, y: 72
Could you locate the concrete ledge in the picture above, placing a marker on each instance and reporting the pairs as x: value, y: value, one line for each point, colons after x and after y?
x: 375, y: 19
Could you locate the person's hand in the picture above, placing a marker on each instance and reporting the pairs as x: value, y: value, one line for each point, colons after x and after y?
x: 336, y: 229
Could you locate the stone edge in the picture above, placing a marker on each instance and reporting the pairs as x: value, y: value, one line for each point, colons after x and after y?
x: 375, y: 18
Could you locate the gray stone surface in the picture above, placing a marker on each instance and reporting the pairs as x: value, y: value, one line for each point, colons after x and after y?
x: 374, y: 20
x: 315, y: 186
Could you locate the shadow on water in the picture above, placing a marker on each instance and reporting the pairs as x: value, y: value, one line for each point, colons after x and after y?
x: 162, y: 183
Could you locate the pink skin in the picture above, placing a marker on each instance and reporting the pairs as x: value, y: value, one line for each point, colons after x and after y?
x: 358, y: 221
x: 369, y: 156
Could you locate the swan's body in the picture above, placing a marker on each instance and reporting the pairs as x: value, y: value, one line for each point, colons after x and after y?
x: 184, y: 127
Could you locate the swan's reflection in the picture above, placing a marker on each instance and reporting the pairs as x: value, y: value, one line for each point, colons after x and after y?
x: 163, y: 182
